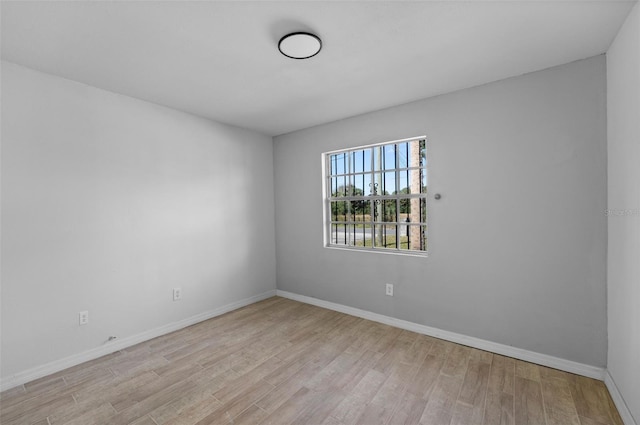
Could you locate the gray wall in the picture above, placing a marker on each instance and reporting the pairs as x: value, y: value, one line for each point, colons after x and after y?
x: 623, y: 255
x: 108, y: 203
x: 518, y: 240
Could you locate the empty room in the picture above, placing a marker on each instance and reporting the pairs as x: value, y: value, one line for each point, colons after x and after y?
x: 320, y: 212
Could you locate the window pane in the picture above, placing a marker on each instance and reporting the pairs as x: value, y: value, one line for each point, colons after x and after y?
x: 338, y: 211
x: 403, y: 155
x: 377, y: 158
x: 338, y: 234
x: 385, y: 236
x: 340, y: 186
x: 389, y: 158
x: 415, y: 153
x: 367, y: 160
x: 358, y: 209
x: 364, y: 236
x: 358, y: 161
x: 403, y: 234
x: 339, y: 163
x: 376, y: 185
x: 417, y: 238
x: 368, y: 211
x: 361, y: 184
x: 410, y: 181
x: 379, y: 234
x: 389, y: 183
x: 423, y: 178
x: 389, y: 210
x: 405, y: 210
x: 377, y: 210
x: 351, y: 231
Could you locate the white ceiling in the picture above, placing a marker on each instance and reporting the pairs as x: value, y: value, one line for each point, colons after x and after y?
x: 220, y: 59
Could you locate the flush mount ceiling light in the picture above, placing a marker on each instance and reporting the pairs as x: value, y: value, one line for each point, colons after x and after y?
x: 300, y: 45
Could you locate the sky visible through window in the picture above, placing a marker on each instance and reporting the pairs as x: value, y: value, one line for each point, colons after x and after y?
x: 359, y: 164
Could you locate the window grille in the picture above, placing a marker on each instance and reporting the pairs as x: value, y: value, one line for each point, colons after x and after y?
x: 376, y: 197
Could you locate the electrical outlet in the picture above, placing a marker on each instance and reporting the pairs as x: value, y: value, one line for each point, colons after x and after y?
x: 177, y: 294
x: 389, y: 289
x: 83, y: 318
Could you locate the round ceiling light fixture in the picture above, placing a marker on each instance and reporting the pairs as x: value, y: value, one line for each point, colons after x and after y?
x: 300, y: 45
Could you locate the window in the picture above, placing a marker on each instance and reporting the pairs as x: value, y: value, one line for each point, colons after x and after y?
x: 376, y: 197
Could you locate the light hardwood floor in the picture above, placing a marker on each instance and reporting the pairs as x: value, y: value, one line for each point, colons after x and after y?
x: 283, y: 362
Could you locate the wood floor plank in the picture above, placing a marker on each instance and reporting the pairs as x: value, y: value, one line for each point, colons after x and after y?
x: 195, y: 400
x: 32, y: 392
x: 470, y: 405
x: 409, y: 411
x: 283, y: 362
x: 214, y: 378
x: 499, y: 406
x: 456, y: 363
x: 115, y: 388
x: 177, y: 375
x: 499, y: 409
x: 144, y: 421
x: 399, y: 351
x: 188, y: 415
x: 502, y: 375
x: 8, y: 395
x: 481, y: 355
x: 253, y: 415
x: 558, y: 402
x: 350, y: 378
x: 288, y: 388
x: 592, y: 400
x: 529, y: 409
x: 386, y: 341
x: 288, y: 411
x: 331, y: 421
x: 20, y: 414
x: 354, y: 404
x: 426, y: 377
x: 390, y: 393
x: 321, y: 407
x: 527, y: 370
x: 136, y: 363
x: 332, y: 372
x: 150, y: 403
x: 587, y: 421
x: 475, y: 382
x: 419, y: 350
x: 373, y: 414
x: 234, y: 406
x: 236, y: 386
x: 439, y: 408
x: 103, y: 362
x: 96, y: 416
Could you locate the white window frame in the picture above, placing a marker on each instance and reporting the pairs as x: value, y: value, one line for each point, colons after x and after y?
x: 349, y: 242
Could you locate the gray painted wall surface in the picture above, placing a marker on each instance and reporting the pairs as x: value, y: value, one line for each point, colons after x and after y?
x: 518, y: 240
x: 623, y: 255
x: 108, y: 203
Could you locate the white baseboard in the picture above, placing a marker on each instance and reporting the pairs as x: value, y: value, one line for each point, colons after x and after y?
x: 58, y: 365
x: 622, y: 407
x: 505, y: 350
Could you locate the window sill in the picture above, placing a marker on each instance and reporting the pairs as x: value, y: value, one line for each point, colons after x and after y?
x: 419, y: 254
